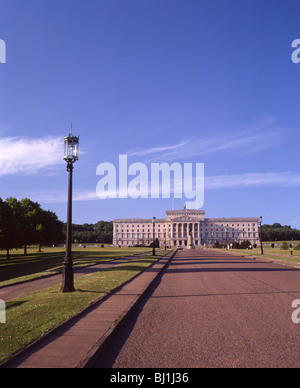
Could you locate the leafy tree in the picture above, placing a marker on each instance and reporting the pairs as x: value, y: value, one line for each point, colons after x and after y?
x: 17, y: 224
x: 7, y: 241
x: 279, y: 232
x: 49, y: 229
x: 24, y: 223
x: 31, y: 211
x: 101, y: 232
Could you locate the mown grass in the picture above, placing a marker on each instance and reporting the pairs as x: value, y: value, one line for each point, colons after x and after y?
x: 272, y: 253
x: 31, y: 316
x: 36, y: 264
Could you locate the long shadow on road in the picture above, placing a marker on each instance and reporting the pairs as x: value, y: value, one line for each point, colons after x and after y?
x: 108, y: 353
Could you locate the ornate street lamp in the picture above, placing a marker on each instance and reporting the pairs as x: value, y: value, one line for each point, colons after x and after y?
x: 70, y: 156
x: 226, y: 233
x: 260, y: 235
x: 153, y: 223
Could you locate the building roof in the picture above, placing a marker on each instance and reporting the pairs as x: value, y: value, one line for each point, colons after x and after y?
x: 180, y: 214
x: 233, y: 219
x: 140, y: 220
x: 162, y: 220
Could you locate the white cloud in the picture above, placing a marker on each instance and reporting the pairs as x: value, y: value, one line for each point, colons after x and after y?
x: 260, y: 135
x: 218, y: 182
x: 155, y: 150
x: 29, y: 156
x: 257, y: 179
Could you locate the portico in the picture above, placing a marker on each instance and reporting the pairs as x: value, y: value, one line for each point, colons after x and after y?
x: 181, y: 231
x: 184, y: 223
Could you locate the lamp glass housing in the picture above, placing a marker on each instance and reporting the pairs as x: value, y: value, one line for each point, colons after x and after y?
x: 71, y: 151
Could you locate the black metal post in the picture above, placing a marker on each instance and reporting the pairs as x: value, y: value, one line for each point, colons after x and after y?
x: 260, y: 237
x: 68, y: 273
x: 153, y: 249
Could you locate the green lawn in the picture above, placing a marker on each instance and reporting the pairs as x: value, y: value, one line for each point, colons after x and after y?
x: 35, y: 264
x: 273, y: 253
x: 31, y: 316
x: 278, y: 243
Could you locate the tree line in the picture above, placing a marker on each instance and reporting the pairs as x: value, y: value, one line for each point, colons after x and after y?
x: 24, y: 223
x: 101, y: 232
x: 278, y: 232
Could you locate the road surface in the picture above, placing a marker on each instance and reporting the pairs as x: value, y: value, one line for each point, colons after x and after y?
x: 212, y: 309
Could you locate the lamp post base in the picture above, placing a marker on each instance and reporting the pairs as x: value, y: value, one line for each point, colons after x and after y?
x: 68, y: 279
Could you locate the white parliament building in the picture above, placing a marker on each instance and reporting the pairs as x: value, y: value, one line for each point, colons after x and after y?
x: 184, y: 228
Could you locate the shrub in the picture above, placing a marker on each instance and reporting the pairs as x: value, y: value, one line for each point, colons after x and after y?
x: 297, y: 247
x: 235, y: 245
x: 217, y: 245
x: 245, y: 244
x: 284, y: 246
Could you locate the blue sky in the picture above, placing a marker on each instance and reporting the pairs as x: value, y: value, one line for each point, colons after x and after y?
x: 188, y: 81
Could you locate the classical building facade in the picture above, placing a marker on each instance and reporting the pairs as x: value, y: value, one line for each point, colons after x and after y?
x: 185, y: 227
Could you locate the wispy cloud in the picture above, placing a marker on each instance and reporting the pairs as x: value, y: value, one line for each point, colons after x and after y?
x: 255, y: 137
x: 257, y: 179
x: 155, y: 150
x: 29, y: 156
x: 218, y: 182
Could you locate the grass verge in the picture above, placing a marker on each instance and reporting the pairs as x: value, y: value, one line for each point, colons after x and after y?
x: 268, y: 253
x: 31, y: 316
x: 36, y: 264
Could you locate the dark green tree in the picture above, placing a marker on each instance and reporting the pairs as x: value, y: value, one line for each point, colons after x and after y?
x: 17, y: 223
x: 7, y: 224
x: 24, y: 223
x: 31, y: 211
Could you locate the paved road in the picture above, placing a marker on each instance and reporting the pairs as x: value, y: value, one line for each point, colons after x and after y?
x: 212, y: 309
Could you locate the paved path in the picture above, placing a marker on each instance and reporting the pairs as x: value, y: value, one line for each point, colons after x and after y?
x: 74, y: 344
x: 15, y: 290
x: 212, y: 309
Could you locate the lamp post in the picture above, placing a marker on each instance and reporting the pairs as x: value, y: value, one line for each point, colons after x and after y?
x: 260, y: 235
x: 153, y: 223
x: 226, y: 233
x: 70, y: 156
